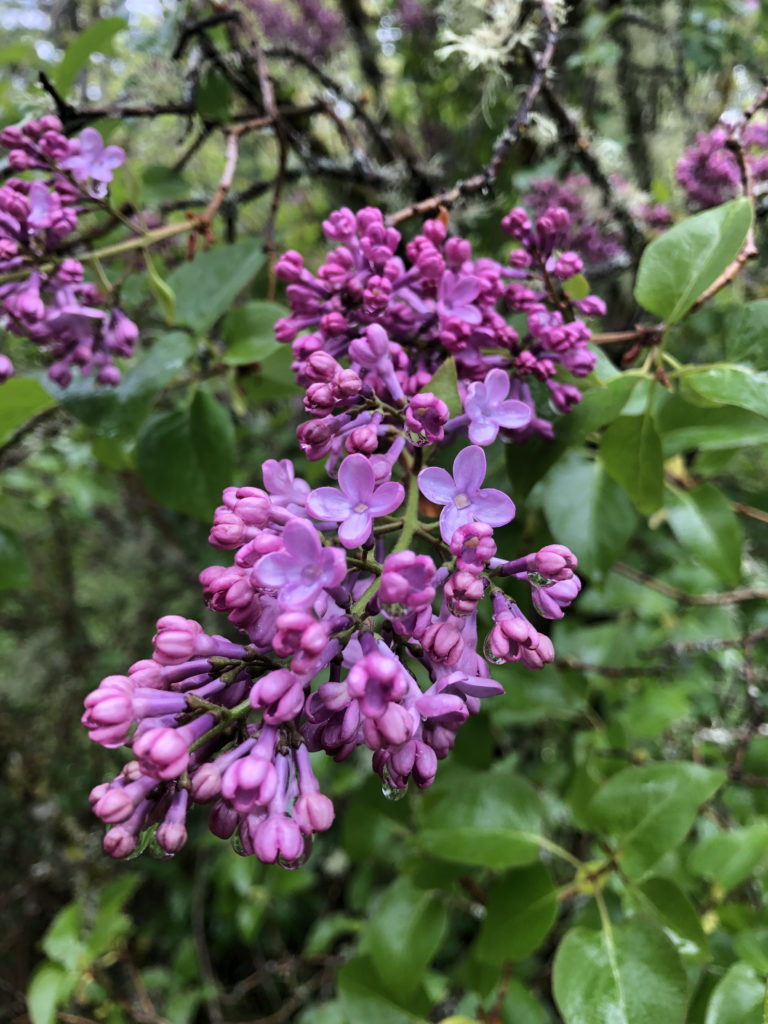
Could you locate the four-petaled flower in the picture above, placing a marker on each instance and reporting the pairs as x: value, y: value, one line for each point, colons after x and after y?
x: 489, y: 409
x: 461, y: 495
x: 356, y: 501
x: 301, y: 570
x: 91, y: 159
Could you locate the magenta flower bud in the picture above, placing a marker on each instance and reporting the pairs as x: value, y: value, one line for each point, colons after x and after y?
x: 280, y: 694
x: 228, y: 530
x: 6, y: 369
x: 442, y: 642
x: 427, y: 415
x: 223, y: 820
x: 253, y: 506
x: 120, y: 842
x: 591, y: 306
x: 176, y: 639
x: 537, y: 657
x: 333, y: 325
x: 249, y: 782
x: 320, y: 400
x: 290, y: 266
x: 516, y: 224
x: 278, y: 836
x: 474, y: 546
x: 549, y: 601
x: 375, y: 681
x: 290, y: 627
x: 347, y: 384
x: 114, y: 806
x: 321, y: 367
x: 406, y: 580
x: 205, y: 784
x: 555, y: 562
x: 568, y: 264
x: 171, y: 834
x: 313, y: 812
x: 364, y: 440
x: 393, y: 727
x: 508, y: 636
x: 109, y: 376
x: 463, y: 592
x: 162, y: 753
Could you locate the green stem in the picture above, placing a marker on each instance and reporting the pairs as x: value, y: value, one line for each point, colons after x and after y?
x: 551, y: 847
x: 238, y: 711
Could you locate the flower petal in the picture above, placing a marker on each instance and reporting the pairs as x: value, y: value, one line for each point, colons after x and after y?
x: 302, y: 541
x: 451, y: 518
x: 493, y: 507
x: 482, y: 431
x: 469, y: 469
x: 497, y: 385
x: 437, y: 485
x: 356, y: 479
x: 355, y: 529
x: 328, y: 503
x: 275, y: 570
x: 387, y: 498
x: 512, y: 414
x: 299, y: 594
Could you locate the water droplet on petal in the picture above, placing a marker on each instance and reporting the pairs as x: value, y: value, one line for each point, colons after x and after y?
x: 389, y: 790
x: 237, y: 844
x: 488, y: 653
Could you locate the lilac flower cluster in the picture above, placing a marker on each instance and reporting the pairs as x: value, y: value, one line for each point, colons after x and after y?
x: 709, y: 171
x: 43, y: 296
x: 593, y: 232
x: 397, y: 323
x: 306, y: 25
x: 360, y: 619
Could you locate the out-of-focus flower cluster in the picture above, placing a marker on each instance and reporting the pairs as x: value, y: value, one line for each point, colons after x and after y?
x: 44, y: 295
x: 709, y: 171
x: 593, y: 232
x: 360, y: 611
x: 310, y: 26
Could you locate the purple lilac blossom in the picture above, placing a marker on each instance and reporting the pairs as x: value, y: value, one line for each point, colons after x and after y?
x: 462, y: 496
x: 356, y: 501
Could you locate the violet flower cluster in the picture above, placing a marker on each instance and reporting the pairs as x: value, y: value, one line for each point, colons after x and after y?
x: 44, y: 295
x: 371, y: 609
x: 593, y: 232
x: 709, y: 171
x: 309, y: 26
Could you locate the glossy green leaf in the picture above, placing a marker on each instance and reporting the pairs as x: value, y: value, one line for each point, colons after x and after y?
x: 630, y: 974
x: 520, y: 1006
x: 651, y: 808
x: 406, y: 929
x: 678, y: 266
x: 704, y: 524
x: 474, y: 818
x: 14, y: 564
x: 672, y: 908
x: 160, y: 289
x: 445, y: 386
x: 738, y: 998
x: 213, y: 96
x: 48, y: 989
x: 249, y: 332
x: 600, y: 405
x: 120, y: 411
x: 61, y: 941
x: 747, y: 338
x: 730, y: 384
x: 587, y: 511
x: 684, y: 426
x: 185, y: 456
x: 360, y: 993
x: 21, y: 398
x: 576, y: 287
x: 97, y: 38
x: 207, y: 286
x: 631, y: 453
x: 751, y: 946
x: 730, y: 857
x: 521, y: 909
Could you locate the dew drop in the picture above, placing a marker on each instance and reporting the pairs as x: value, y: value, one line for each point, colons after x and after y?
x: 156, y: 851
x: 237, y: 844
x: 488, y: 653
x: 389, y: 790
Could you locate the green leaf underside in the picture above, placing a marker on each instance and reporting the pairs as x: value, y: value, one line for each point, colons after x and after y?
x: 21, y: 399
x: 730, y: 384
x: 631, y: 452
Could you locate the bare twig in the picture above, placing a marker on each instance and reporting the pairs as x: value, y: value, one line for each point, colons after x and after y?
x: 727, y: 597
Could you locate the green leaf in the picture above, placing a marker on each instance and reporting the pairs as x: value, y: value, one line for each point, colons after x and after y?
x: 14, y: 564
x: 683, y: 427
x: 674, y: 910
x: 651, y: 808
x: 630, y: 974
x: 729, y: 384
x: 49, y: 988
x: 20, y: 400
x: 587, y: 511
x: 120, y: 411
x: 704, y: 524
x: 160, y: 289
x: 206, y: 287
x: 97, y: 38
x: 357, y: 986
x: 406, y: 929
x: 185, y: 456
x: 747, y: 337
x: 213, y: 96
x: 678, y: 266
x: 473, y: 818
x: 327, y: 930
x: 737, y: 998
x: 249, y: 332
x: 576, y: 287
x: 600, y: 405
x: 61, y: 941
x: 522, y: 908
x: 631, y: 453
x: 730, y: 857
x: 445, y: 386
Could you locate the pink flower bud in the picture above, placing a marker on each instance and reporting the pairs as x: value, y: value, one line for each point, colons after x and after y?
x: 426, y: 414
x: 313, y: 812
x: 442, y: 642
x: 463, y: 591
